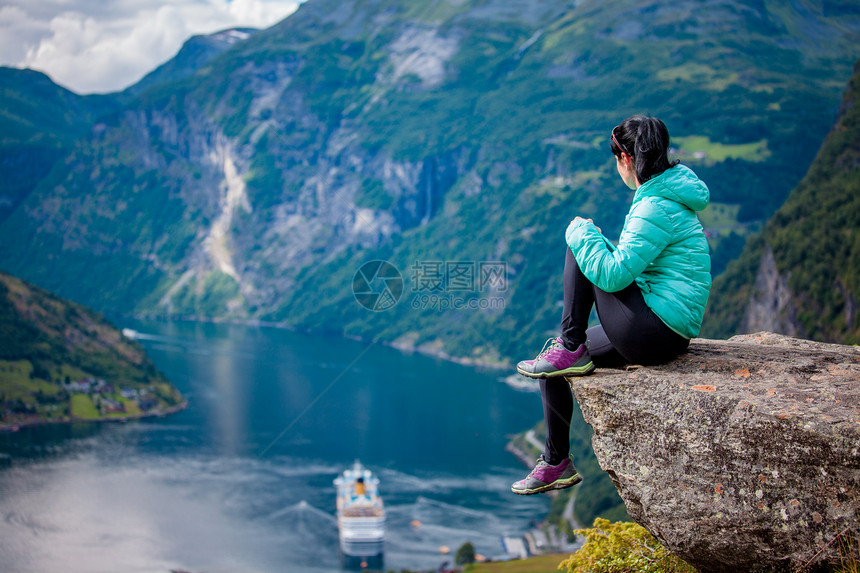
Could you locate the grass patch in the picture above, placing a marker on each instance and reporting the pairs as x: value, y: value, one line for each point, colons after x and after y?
x: 15, y: 378
x: 699, y: 74
x: 131, y: 407
x: 72, y: 373
x: 432, y: 12
x: 726, y: 234
x: 539, y: 564
x: 83, y: 408
x: 719, y: 215
x: 849, y: 554
x: 693, y: 146
x: 15, y: 381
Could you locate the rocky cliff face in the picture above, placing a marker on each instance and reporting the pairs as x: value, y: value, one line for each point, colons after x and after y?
x: 742, y: 455
x: 771, y: 306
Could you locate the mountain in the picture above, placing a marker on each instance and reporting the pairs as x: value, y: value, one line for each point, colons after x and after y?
x: 452, y: 140
x: 60, y: 361
x: 801, y: 274
x: 40, y: 123
x: 195, y: 53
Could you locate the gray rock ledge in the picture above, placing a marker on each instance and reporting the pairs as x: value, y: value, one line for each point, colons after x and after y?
x: 741, y: 455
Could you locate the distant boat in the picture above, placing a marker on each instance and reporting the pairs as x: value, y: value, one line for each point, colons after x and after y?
x: 360, y: 514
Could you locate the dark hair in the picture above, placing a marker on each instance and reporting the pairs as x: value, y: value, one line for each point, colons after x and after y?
x: 646, y: 139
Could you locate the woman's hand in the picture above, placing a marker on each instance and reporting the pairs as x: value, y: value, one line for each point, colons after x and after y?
x: 572, y: 229
x: 589, y: 220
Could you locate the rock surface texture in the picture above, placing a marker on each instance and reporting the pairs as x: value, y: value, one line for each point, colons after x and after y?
x: 741, y: 455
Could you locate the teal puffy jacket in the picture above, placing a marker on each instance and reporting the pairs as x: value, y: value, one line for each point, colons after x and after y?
x: 662, y: 247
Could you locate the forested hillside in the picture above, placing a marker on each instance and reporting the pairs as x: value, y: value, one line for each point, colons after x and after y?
x: 801, y: 274
x: 39, y: 124
x: 60, y: 361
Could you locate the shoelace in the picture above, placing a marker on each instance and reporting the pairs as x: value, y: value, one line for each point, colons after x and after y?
x: 544, y: 350
x: 540, y: 462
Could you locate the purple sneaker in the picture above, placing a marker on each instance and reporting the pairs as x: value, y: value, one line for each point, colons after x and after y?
x: 545, y: 477
x: 556, y: 360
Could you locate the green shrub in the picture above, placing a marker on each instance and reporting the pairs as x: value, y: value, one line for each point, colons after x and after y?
x: 466, y: 554
x: 622, y: 547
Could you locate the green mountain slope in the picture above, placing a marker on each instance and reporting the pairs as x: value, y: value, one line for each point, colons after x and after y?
x: 39, y: 123
x: 60, y: 361
x: 454, y: 139
x: 801, y: 274
x: 194, y: 54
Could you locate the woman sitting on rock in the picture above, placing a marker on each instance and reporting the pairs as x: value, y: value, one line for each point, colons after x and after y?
x: 650, y: 290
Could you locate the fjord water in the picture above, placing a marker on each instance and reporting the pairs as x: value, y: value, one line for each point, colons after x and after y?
x: 242, y: 479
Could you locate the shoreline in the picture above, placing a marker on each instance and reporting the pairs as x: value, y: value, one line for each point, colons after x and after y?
x: 14, y: 427
x: 396, y: 344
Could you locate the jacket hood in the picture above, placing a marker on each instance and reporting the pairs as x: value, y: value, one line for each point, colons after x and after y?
x: 678, y: 184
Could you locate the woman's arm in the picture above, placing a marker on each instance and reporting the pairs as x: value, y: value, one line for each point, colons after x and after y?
x: 646, y: 234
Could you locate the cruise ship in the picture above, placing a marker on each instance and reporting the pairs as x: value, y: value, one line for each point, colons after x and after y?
x: 360, y: 515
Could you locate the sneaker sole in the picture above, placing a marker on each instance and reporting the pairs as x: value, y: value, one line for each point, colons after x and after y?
x: 572, y: 371
x: 557, y: 484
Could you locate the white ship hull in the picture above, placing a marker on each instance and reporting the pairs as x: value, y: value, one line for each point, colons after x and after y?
x: 360, y: 514
x: 362, y: 536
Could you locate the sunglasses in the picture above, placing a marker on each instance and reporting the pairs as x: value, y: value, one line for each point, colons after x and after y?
x: 615, y: 141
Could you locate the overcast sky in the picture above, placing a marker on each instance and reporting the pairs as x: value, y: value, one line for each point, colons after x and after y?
x: 98, y: 46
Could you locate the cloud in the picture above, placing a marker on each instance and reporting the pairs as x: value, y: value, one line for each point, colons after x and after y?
x: 16, y: 28
x: 92, y: 46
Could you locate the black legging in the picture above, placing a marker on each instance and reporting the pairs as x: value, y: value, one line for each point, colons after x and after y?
x: 629, y: 332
